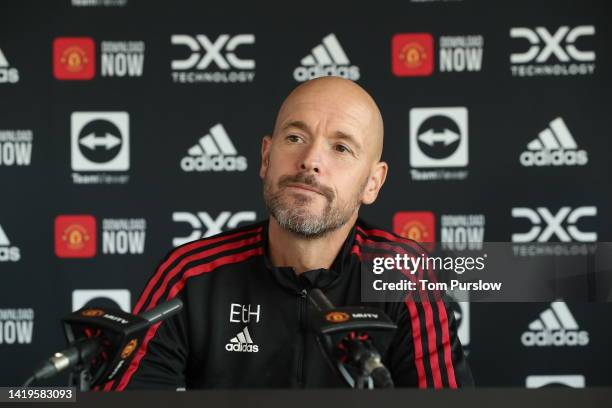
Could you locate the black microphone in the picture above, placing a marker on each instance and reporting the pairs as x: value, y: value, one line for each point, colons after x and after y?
x: 320, y: 301
x: 366, y: 356
x: 162, y: 311
x: 83, y: 350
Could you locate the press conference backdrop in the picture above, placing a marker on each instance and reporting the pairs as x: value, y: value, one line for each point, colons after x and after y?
x: 130, y: 127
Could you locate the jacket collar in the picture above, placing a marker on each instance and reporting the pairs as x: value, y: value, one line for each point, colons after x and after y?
x: 316, y: 278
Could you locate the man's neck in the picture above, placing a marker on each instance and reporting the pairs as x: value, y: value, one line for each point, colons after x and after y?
x: 305, y: 254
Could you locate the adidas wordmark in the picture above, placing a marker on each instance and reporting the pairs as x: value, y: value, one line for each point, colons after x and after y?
x: 556, y: 326
x: 214, y: 152
x: 554, y: 146
x: 242, y: 343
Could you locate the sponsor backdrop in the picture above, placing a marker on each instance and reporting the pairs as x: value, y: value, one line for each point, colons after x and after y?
x: 130, y: 127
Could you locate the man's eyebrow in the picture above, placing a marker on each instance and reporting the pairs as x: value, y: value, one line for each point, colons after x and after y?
x: 297, y: 124
x: 350, y: 138
x: 338, y: 134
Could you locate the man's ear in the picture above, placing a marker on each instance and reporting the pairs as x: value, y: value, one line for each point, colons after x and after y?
x: 377, y: 178
x: 266, y: 142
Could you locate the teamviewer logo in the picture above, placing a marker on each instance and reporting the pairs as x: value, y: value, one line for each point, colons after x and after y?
x: 439, y: 137
x: 100, y: 141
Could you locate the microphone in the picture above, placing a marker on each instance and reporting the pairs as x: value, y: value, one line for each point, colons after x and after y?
x: 122, y: 330
x: 320, y: 301
x: 83, y: 350
x: 163, y: 311
x: 360, y: 351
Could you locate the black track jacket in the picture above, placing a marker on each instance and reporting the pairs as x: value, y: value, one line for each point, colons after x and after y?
x: 243, y: 321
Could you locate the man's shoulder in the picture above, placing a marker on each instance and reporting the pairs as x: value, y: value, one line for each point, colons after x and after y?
x: 371, y: 235
x: 233, y: 240
x: 200, y: 257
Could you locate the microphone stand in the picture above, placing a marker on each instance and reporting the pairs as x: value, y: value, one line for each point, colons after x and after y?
x: 80, y: 378
x: 351, y: 338
x: 102, y: 343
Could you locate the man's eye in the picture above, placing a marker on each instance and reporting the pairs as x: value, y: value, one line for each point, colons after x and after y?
x: 293, y: 138
x: 342, y: 148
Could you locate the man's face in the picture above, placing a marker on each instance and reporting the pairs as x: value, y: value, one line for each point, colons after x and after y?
x: 316, y: 166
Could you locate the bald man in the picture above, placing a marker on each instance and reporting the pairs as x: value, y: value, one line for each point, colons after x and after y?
x: 321, y: 163
x: 245, y: 320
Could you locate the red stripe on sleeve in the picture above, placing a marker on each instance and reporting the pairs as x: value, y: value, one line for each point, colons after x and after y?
x: 416, y: 338
x: 429, y: 320
x: 200, y: 255
x: 448, y: 359
x: 197, y: 270
x: 431, y: 344
x: 178, y: 253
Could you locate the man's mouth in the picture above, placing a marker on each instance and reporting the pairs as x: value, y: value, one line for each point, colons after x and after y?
x: 304, y: 187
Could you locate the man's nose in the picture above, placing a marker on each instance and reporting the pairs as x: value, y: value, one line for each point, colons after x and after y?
x: 312, y: 160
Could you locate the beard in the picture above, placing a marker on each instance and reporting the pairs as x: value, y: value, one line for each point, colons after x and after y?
x: 292, y: 211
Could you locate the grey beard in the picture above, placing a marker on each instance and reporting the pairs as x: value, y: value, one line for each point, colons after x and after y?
x: 298, y: 221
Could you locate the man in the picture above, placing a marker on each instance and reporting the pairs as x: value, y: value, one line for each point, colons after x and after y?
x: 245, y: 291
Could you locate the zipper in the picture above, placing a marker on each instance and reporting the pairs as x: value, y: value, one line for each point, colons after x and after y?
x: 303, y: 294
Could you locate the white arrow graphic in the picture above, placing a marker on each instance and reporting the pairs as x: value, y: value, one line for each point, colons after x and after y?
x: 108, y: 141
x: 447, y: 137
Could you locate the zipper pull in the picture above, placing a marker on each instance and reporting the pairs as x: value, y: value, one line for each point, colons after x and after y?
x: 303, y: 293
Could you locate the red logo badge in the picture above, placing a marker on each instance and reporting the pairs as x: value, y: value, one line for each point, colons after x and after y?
x: 416, y: 225
x: 412, y: 54
x: 337, y: 317
x: 75, y: 236
x: 74, y: 58
x: 129, y: 348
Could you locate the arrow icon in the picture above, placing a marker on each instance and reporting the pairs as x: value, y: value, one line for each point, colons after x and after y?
x: 108, y: 141
x: 447, y: 137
